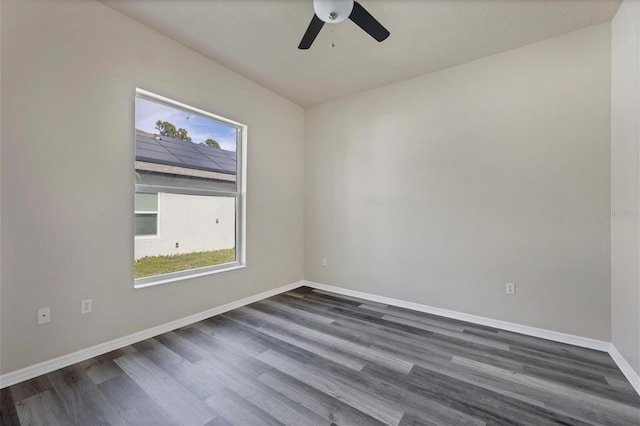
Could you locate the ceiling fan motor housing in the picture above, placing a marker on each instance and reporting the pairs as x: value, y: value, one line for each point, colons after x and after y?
x: 333, y: 11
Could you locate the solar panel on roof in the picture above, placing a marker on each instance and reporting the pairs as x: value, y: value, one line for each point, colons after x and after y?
x: 141, y: 138
x: 172, y: 140
x: 186, y: 153
x: 206, y: 149
x: 226, y: 166
x: 151, y: 147
x: 204, y: 164
x: 220, y: 159
x: 159, y: 157
x: 214, y: 152
x: 175, y: 152
x: 183, y: 146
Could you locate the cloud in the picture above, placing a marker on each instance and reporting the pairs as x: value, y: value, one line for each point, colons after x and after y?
x: 200, y: 128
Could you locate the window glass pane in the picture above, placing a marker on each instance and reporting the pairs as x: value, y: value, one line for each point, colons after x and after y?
x: 189, y: 192
x: 146, y: 224
x: 197, y: 231
x: 146, y: 202
x: 181, y: 148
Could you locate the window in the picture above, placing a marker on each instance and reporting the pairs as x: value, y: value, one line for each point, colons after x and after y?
x: 189, y: 191
x: 146, y: 214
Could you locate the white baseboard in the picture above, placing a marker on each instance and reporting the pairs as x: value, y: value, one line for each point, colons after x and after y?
x: 585, y: 342
x: 45, y: 367
x: 626, y: 368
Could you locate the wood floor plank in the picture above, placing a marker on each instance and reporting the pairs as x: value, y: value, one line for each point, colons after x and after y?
x: 231, y: 334
x: 355, y: 349
x: 427, y: 316
x: 183, y: 348
x: 219, y: 421
x: 43, y: 409
x: 311, y: 357
x: 553, y: 395
x: 230, y: 373
x: 135, y: 405
x: 161, y: 355
x: 421, y: 344
x: 187, y: 374
x: 373, y: 405
x: 590, y: 386
x: 493, y: 356
x: 445, y: 332
x: 490, y: 406
x: 622, y: 386
x: 238, y: 411
x: 28, y: 388
x: 100, y: 370
x: 8, y: 412
x: 304, y: 314
x: 81, y: 398
x: 547, y: 346
x: 321, y: 350
x: 415, y: 316
x: 179, y: 403
x: 354, y: 299
x: 317, y: 401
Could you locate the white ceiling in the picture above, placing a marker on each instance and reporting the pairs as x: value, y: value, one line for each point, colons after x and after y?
x: 259, y: 38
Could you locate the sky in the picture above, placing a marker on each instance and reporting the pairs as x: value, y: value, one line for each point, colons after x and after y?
x: 200, y: 128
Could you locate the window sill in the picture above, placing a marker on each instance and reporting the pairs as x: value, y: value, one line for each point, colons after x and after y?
x: 180, y: 276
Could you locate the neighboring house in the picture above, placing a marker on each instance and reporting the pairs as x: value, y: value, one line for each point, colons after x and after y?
x: 167, y: 222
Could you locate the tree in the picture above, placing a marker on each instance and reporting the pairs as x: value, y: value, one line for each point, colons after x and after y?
x: 212, y: 143
x: 168, y: 129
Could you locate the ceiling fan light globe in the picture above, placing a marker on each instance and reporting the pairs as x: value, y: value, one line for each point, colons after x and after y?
x: 333, y: 11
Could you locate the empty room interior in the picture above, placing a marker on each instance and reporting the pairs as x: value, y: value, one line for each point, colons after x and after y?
x: 319, y: 212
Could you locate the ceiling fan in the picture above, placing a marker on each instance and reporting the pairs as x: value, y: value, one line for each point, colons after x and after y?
x: 335, y: 11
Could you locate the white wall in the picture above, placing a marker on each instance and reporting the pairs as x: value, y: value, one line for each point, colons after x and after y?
x: 440, y: 189
x: 625, y: 182
x: 191, y: 222
x: 69, y: 74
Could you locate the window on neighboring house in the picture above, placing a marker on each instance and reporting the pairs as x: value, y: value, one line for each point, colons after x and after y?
x: 189, y: 191
x: 146, y: 214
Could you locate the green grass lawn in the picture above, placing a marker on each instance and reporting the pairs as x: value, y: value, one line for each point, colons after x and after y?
x: 156, y: 265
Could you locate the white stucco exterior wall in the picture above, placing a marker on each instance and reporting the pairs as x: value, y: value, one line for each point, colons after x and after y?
x: 195, y: 223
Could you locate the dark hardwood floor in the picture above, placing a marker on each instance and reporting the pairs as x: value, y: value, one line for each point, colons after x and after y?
x: 312, y: 358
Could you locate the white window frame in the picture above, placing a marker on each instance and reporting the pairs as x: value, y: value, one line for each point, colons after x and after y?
x: 239, y: 195
x: 157, y: 213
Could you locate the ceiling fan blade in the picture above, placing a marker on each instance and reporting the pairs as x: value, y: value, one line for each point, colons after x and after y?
x: 312, y: 32
x: 368, y: 23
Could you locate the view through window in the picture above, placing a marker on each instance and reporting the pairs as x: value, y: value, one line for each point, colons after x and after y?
x: 188, y: 194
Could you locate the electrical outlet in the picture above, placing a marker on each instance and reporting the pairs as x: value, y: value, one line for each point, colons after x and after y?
x: 86, y: 306
x: 44, y: 315
x: 510, y: 289
x: 324, y: 261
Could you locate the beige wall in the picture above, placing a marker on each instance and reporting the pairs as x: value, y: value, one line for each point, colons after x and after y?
x: 436, y: 190
x: 69, y: 73
x: 440, y: 189
x: 625, y: 184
